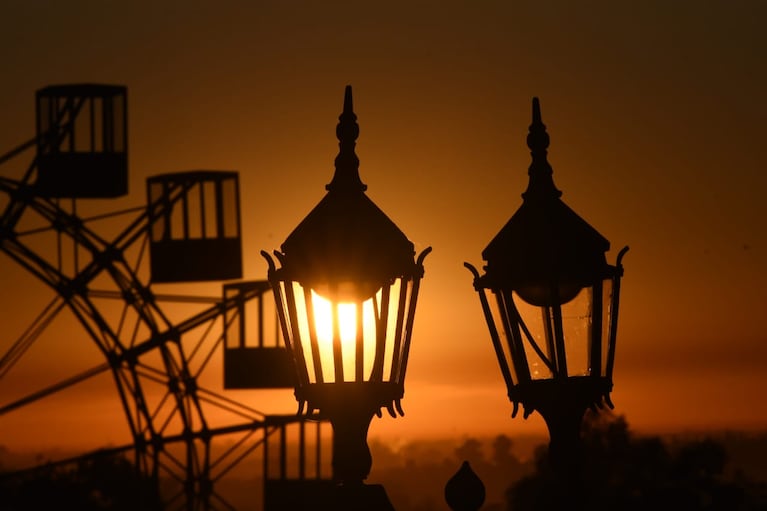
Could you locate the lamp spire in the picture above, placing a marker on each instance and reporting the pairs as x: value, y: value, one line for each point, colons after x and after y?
x: 347, y: 175
x: 541, y: 184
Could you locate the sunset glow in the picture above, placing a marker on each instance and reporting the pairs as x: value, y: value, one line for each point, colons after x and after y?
x: 337, y: 322
x: 639, y: 100
x: 347, y: 330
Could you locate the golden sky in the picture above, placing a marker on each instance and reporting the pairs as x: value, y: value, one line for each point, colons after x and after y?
x: 656, y: 113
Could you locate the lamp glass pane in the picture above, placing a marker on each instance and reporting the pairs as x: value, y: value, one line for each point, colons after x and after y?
x: 607, y: 319
x: 538, y: 344
x: 400, y: 304
x: 391, y: 326
x: 302, y: 338
x: 325, y: 326
x: 505, y: 324
x: 576, y: 325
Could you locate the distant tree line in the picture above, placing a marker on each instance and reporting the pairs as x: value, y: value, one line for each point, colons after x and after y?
x: 415, y: 475
x: 621, y: 471
x: 105, y: 482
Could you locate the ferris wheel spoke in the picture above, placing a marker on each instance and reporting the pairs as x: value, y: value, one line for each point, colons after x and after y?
x: 56, y: 387
x: 31, y: 261
x: 173, y: 413
x: 216, y: 345
x: 232, y: 449
x: 167, y: 468
x: 136, y: 408
x: 153, y: 377
x: 30, y: 335
x: 201, y: 341
x: 223, y: 502
x: 227, y: 408
x: 149, y: 419
x: 218, y: 398
x: 236, y: 461
x: 99, y: 330
x: 122, y: 320
x: 157, y: 360
x: 158, y: 408
x: 19, y: 149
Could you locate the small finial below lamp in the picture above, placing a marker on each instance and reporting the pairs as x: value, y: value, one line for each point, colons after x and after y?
x: 465, y: 490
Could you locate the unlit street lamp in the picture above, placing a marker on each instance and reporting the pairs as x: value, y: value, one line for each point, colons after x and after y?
x: 346, y: 293
x: 551, y: 305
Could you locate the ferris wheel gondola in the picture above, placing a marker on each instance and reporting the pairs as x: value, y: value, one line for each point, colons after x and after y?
x: 105, y: 271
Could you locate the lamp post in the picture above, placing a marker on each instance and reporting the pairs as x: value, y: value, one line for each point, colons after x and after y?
x: 550, y: 300
x: 346, y: 293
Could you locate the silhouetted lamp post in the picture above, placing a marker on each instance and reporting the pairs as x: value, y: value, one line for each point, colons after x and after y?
x: 346, y: 293
x: 550, y: 300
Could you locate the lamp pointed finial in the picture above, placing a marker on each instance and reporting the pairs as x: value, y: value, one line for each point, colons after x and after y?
x: 348, y: 102
x: 347, y: 175
x: 537, y: 111
x: 465, y: 490
x: 541, y: 183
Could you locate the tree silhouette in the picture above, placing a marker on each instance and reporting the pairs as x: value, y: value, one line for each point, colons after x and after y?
x: 100, y: 483
x: 470, y: 450
x: 620, y: 471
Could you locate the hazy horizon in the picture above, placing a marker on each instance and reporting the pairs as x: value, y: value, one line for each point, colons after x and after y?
x: 656, y: 113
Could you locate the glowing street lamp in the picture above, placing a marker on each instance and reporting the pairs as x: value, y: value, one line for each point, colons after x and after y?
x: 553, y: 306
x: 346, y: 295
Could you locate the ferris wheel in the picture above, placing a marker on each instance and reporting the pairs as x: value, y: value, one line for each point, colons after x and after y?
x: 106, y: 270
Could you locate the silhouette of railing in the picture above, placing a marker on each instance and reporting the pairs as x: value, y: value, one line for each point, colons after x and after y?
x: 299, y: 475
x: 82, y: 141
x: 254, y: 352
x: 194, y: 230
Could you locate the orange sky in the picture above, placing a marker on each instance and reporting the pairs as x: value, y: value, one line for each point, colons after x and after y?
x: 656, y: 112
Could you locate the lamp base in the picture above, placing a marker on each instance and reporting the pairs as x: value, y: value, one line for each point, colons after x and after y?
x: 321, y: 495
x: 562, y: 403
x: 350, y: 406
x: 358, y: 497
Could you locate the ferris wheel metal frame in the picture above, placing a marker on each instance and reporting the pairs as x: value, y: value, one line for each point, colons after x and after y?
x: 143, y: 346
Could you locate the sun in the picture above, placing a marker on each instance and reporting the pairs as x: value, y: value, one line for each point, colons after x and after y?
x: 340, y: 330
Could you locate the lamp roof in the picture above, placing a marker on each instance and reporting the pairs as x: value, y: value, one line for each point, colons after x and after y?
x: 544, y: 240
x: 346, y: 237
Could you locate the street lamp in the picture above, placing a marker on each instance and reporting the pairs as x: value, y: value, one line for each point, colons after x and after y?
x: 553, y: 307
x: 346, y: 294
